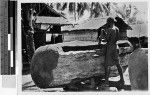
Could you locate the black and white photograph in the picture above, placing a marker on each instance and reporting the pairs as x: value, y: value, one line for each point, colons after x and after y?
x: 84, y: 46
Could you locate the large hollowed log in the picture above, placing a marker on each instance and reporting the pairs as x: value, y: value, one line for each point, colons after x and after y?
x: 138, y: 69
x: 51, y: 66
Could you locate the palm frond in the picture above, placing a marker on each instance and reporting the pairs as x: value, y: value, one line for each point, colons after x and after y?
x: 64, y: 6
x: 106, y: 10
x: 71, y: 7
x: 58, y: 6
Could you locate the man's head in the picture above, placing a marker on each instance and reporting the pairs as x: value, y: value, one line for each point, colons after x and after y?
x: 110, y: 21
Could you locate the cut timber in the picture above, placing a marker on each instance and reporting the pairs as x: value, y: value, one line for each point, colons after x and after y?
x: 43, y: 62
x: 51, y: 66
x: 138, y: 69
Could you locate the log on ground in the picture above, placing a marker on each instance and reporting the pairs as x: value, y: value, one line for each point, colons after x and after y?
x: 51, y: 66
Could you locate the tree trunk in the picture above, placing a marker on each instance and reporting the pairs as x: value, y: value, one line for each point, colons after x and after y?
x: 27, y: 27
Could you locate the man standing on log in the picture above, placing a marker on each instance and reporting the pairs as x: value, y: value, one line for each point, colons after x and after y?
x: 111, y: 53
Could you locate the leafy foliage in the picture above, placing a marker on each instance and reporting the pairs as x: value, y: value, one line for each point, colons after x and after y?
x: 95, y: 9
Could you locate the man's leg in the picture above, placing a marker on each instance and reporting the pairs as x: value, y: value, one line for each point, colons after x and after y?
x: 120, y: 73
x: 107, y: 72
x: 107, y: 67
x: 116, y: 59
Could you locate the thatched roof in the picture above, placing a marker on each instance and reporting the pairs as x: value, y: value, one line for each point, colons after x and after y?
x: 46, y: 10
x: 51, y: 20
x: 93, y: 23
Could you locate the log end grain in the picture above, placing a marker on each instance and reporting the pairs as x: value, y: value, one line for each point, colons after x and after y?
x: 44, y: 60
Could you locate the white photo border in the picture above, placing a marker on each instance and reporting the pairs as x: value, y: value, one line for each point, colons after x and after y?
x: 19, y: 52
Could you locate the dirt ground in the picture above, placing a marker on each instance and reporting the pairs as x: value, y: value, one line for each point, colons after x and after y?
x: 29, y: 86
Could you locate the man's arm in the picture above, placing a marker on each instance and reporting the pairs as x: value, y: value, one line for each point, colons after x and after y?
x: 117, y: 34
x: 99, y: 33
